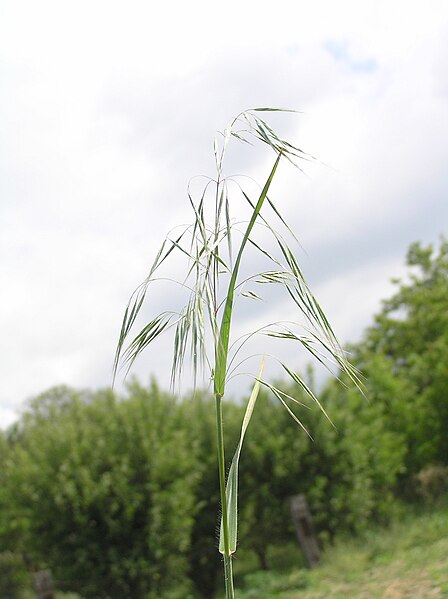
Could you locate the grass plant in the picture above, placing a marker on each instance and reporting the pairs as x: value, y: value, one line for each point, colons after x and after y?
x: 203, y: 327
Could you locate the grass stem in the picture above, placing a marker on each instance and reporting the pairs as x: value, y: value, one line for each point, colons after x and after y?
x: 228, y: 571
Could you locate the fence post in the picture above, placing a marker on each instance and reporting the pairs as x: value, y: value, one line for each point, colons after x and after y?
x: 303, y: 524
x: 43, y: 584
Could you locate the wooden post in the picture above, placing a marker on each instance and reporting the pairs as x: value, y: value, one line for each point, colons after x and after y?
x: 43, y: 584
x: 303, y: 524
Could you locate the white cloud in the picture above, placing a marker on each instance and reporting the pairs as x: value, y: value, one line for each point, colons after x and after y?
x: 107, y: 110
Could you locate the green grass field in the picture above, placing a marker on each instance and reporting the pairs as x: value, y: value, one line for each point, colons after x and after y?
x: 409, y: 559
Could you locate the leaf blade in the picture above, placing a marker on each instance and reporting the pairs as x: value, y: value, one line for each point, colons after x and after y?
x: 232, y: 480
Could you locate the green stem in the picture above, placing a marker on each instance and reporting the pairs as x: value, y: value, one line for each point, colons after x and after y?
x: 228, y: 573
x: 222, y: 345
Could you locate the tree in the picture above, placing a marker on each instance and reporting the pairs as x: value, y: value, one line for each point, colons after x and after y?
x: 408, y: 344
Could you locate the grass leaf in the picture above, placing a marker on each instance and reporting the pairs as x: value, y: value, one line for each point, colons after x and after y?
x: 232, y: 480
x: 224, y: 333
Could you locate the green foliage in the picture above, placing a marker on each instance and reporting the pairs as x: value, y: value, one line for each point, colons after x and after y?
x: 103, y: 492
x: 353, y: 467
x: 13, y: 575
x: 409, y: 346
x: 347, y: 472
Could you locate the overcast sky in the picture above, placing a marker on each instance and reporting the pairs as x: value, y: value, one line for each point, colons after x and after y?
x: 107, y: 109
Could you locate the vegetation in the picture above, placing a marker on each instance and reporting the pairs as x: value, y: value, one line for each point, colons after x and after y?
x: 92, y: 488
x: 405, y: 356
x: 211, y: 265
x: 119, y: 495
x: 13, y: 575
x: 409, y: 559
x: 97, y: 489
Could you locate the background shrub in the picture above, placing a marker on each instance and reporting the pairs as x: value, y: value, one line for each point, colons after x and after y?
x: 13, y: 575
x: 102, y: 491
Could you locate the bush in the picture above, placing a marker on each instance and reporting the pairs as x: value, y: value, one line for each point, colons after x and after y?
x: 347, y: 472
x: 13, y: 575
x: 102, y: 491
